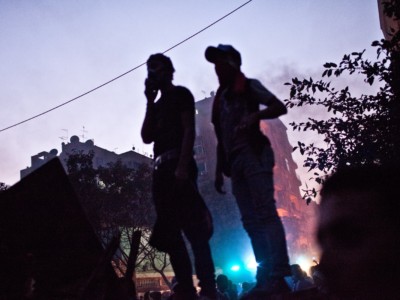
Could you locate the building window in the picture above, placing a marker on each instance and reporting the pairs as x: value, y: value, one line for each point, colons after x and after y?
x: 198, y: 150
x: 133, y: 165
x: 201, y: 166
x: 287, y: 164
x: 148, y: 282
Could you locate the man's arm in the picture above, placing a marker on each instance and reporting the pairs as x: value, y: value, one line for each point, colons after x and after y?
x: 219, y: 177
x: 275, y: 108
x: 147, y: 131
x: 186, y: 153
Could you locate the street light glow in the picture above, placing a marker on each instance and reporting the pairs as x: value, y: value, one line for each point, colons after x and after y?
x: 305, y: 263
x: 235, y: 268
x: 252, y: 265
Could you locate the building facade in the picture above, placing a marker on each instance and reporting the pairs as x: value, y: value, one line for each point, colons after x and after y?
x: 101, y: 157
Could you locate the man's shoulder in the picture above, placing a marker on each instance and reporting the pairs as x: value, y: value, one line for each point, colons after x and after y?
x: 181, y: 90
x: 259, y: 91
x: 183, y: 98
x: 255, y: 83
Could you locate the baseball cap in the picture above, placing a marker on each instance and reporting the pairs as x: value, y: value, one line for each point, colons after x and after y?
x: 226, y: 52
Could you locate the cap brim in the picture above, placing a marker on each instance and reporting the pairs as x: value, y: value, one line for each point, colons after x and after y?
x: 212, y: 54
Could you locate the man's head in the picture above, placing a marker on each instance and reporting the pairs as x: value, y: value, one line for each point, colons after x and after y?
x: 227, y: 61
x: 222, y: 282
x: 160, y: 69
x: 297, y: 272
x: 358, y: 231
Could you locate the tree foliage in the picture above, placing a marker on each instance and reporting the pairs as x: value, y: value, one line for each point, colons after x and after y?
x: 113, y: 196
x: 360, y: 130
x: 117, y: 201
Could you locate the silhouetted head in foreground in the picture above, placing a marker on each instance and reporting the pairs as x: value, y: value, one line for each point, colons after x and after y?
x: 222, y: 282
x: 358, y: 231
x: 160, y: 70
x: 227, y: 61
x: 297, y: 272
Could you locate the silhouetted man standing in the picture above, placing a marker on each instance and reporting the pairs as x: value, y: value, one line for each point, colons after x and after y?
x: 170, y: 124
x: 245, y: 154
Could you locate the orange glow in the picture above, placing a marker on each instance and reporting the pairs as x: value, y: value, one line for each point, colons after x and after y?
x: 283, y: 212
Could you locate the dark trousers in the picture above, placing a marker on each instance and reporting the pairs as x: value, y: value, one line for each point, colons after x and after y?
x: 253, y: 187
x: 181, y: 209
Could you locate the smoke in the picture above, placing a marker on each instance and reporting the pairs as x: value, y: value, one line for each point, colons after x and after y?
x: 274, y: 78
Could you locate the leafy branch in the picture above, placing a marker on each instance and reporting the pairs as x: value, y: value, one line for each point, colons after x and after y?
x: 358, y: 130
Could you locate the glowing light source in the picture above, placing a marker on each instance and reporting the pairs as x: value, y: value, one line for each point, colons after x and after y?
x: 305, y: 263
x: 235, y: 268
x: 251, y: 264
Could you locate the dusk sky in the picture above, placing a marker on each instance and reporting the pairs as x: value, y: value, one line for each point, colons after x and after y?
x: 52, y: 51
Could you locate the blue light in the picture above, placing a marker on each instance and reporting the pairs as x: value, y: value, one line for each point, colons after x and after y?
x: 252, y: 265
x: 235, y: 268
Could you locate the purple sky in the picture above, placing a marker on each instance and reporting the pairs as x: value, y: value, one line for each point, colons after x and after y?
x: 52, y: 51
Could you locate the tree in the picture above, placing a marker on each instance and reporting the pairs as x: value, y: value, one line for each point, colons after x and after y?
x: 150, y: 259
x: 113, y: 196
x: 117, y: 200
x: 360, y: 130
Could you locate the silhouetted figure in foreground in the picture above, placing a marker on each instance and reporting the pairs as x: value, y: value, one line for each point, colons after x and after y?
x: 232, y: 290
x: 170, y: 124
x: 318, y: 279
x: 358, y: 231
x: 147, y: 295
x: 245, y: 154
x: 222, y: 287
x: 300, y: 280
x: 246, y: 286
x: 155, y: 295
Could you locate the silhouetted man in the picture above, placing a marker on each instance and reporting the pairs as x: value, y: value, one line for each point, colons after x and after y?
x: 358, y: 231
x: 170, y: 124
x: 245, y: 154
x: 300, y: 279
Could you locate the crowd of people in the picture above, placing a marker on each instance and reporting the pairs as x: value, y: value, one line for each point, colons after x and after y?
x: 298, y: 281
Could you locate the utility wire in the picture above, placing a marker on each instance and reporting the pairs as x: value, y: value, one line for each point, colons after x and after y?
x: 127, y: 72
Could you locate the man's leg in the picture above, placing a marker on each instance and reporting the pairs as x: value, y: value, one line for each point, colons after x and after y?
x: 182, y: 267
x: 169, y: 236
x: 252, y: 182
x: 198, y: 231
x: 204, y: 268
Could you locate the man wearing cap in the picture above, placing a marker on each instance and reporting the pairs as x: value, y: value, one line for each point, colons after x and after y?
x: 245, y: 155
x: 170, y: 123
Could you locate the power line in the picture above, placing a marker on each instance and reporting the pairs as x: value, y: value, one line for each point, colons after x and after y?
x: 205, y: 28
x: 127, y: 72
